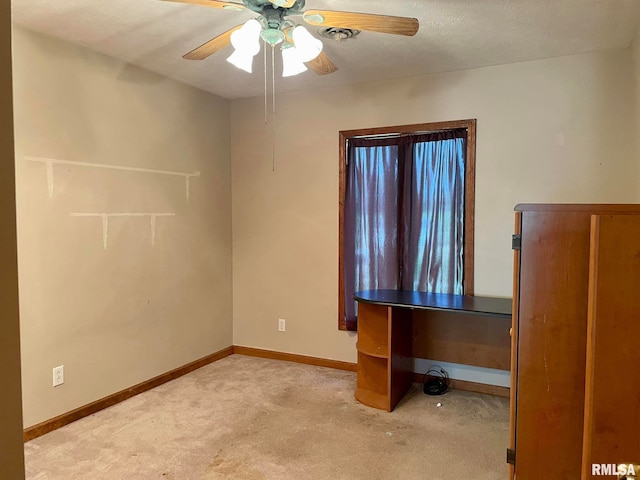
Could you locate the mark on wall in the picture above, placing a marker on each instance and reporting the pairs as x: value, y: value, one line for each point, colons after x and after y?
x: 50, y: 162
x: 104, y: 217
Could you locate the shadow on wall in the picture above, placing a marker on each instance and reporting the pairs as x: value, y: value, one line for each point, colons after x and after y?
x: 605, y: 154
x: 133, y: 74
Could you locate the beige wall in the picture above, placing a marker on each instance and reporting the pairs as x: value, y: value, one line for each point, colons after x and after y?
x: 117, y: 316
x: 555, y: 130
x: 11, y: 451
x: 635, y: 52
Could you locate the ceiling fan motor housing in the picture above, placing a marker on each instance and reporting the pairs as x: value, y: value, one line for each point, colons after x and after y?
x: 260, y: 6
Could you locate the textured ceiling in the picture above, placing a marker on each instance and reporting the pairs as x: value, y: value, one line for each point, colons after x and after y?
x: 454, y: 35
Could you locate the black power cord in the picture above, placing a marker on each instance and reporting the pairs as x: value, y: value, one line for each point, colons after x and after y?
x: 436, y: 381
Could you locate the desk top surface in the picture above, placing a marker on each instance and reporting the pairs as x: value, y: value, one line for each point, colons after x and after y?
x: 486, y: 306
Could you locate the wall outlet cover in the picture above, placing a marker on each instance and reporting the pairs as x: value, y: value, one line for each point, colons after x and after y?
x: 58, y: 375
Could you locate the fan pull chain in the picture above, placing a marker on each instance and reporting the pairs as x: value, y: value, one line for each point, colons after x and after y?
x: 266, y: 119
x: 273, y: 80
x: 273, y: 106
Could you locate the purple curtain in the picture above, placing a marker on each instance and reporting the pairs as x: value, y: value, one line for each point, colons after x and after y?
x: 433, y: 220
x: 404, y: 215
x: 370, y: 255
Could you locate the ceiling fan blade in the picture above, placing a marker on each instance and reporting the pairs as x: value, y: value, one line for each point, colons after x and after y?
x: 322, y: 65
x: 212, y: 3
x: 283, y: 3
x: 212, y: 46
x: 363, y: 21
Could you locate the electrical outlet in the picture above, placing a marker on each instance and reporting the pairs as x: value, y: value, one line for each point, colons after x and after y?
x: 58, y: 375
x: 281, y: 324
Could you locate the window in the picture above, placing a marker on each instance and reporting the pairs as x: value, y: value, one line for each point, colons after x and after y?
x: 406, y: 210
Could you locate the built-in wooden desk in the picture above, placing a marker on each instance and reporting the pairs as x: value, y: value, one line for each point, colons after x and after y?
x: 385, y: 359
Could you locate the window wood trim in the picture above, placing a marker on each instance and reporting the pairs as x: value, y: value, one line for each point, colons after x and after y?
x: 469, y: 196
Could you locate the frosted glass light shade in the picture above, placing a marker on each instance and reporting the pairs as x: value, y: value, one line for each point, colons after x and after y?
x: 307, y: 46
x: 241, y: 60
x: 247, y: 37
x: 246, y: 42
x: 291, y: 64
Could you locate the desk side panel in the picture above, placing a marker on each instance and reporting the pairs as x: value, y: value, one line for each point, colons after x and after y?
x: 400, y: 354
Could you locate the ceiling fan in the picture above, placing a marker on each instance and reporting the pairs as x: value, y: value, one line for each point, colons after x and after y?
x: 300, y: 49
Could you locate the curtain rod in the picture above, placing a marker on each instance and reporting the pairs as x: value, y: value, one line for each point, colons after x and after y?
x: 419, y: 132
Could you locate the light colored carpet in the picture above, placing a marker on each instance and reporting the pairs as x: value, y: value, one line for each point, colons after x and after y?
x: 245, y: 418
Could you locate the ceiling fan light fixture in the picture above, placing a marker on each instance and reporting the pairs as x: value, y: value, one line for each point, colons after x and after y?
x: 241, y: 60
x: 246, y: 42
x: 247, y: 38
x: 291, y: 63
x: 307, y: 46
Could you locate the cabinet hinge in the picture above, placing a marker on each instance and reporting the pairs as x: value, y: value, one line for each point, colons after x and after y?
x: 516, y: 241
x: 511, y: 456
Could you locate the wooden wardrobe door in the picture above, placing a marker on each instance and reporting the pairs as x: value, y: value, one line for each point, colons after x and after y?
x: 612, y: 393
x: 551, y: 333
x: 514, y: 345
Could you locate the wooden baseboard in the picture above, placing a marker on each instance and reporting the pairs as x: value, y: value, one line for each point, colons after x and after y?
x: 470, y: 386
x: 292, y: 357
x: 86, y: 410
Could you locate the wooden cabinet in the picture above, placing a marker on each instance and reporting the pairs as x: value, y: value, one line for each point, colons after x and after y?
x: 575, y: 366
